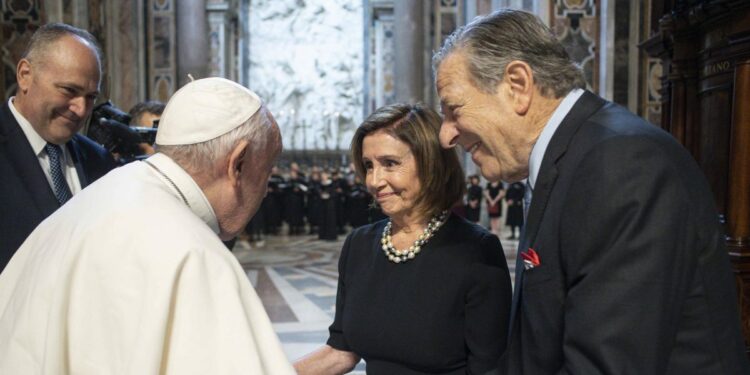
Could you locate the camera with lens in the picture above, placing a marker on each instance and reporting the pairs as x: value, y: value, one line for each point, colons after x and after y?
x: 109, y: 127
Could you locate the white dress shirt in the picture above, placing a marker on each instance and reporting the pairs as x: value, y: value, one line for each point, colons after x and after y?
x: 537, y: 152
x: 38, y: 143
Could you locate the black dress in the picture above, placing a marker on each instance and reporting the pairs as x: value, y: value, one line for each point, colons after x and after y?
x: 445, y: 311
x: 257, y: 224
x: 495, y: 210
x: 314, y: 206
x: 294, y: 205
x: 328, y: 224
x: 473, y: 203
x: 514, y: 197
x: 342, y: 192
x: 275, y: 204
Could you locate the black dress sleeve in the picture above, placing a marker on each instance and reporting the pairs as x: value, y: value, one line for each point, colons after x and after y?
x: 487, y: 307
x: 336, y: 333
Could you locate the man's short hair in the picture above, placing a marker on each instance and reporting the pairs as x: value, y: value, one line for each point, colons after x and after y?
x: 438, y: 169
x: 150, y: 106
x: 490, y: 42
x: 43, y: 38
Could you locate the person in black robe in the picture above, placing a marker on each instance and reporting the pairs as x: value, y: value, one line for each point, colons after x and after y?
x: 473, y: 199
x: 342, y: 194
x: 274, y: 198
x: 294, y: 203
x: 514, y: 199
x: 328, y: 197
x: 294, y: 167
x: 358, y: 202
x: 256, y: 226
x: 313, y: 201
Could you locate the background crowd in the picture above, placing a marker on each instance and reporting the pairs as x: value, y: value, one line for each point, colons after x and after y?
x: 329, y: 201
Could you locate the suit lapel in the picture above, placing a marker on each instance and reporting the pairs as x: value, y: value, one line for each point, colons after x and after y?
x: 548, y: 172
x: 558, y: 145
x: 544, y: 184
x: 26, y: 164
x: 74, y: 150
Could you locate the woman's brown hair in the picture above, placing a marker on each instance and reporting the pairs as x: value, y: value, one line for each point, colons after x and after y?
x: 418, y: 126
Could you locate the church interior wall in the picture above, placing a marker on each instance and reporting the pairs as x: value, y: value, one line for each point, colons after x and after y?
x: 315, y: 59
x: 306, y: 61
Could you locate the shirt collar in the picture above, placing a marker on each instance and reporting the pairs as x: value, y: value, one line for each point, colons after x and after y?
x: 537, y: 152
x: 36, y: 141
x: 185, y: 184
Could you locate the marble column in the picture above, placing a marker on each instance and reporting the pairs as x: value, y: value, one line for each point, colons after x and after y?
x: 193, y: 52
x: 409, y: 51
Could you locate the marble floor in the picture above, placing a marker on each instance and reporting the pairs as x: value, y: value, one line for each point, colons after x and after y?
x: 295, y: 277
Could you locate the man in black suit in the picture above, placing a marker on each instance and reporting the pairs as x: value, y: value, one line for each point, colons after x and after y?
x: 43, y: 161
x: 622, y: 265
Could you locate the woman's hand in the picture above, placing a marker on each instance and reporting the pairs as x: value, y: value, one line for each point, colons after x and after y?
x: 325, y: 361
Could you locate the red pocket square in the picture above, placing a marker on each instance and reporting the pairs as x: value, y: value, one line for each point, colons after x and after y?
x: 530, y: 259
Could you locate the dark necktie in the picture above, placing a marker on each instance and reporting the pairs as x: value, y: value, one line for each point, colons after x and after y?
x: 527, y: 200
x: 522, y: 246
x: 62, y: 191
x: 522, y: 239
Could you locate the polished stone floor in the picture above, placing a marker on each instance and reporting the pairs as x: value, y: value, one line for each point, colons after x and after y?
x: 295, y: 277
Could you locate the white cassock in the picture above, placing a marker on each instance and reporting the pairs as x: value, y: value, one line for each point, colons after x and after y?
x: 130, y: 277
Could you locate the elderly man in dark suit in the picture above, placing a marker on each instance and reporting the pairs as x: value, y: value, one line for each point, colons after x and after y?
x: 43, y: 161
x: 622, y: 266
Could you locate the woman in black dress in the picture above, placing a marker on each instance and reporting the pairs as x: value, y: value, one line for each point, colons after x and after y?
x: 494, y: 196
x: 514, y: 198
x: 473, y: 199
x: 423, y: 291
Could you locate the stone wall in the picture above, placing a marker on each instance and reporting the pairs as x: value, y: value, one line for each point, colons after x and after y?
x: 306, y: 62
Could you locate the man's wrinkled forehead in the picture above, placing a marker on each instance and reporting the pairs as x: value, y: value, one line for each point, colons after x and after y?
x: 452, y: 70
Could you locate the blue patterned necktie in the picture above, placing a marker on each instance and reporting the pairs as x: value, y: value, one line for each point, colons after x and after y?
x: 62, y: 191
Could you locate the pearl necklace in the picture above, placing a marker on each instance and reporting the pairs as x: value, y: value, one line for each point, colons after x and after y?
x: 401, y: 256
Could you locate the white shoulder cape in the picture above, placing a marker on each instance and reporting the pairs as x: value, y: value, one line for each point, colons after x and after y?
x: 127, y: 279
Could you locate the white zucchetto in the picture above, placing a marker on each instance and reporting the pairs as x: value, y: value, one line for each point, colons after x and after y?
x: 205, y: 109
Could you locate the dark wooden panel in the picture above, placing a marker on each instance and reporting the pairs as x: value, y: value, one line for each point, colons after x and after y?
x: 738, y: 216
x: 704, y: 47
x: 712, y: 151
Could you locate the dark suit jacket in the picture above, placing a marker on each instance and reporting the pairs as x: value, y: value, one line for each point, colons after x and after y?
x: 26, y: 197
x: 634, y: 275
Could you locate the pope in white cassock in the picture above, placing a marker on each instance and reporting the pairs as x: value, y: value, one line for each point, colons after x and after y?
x: 131, y: 277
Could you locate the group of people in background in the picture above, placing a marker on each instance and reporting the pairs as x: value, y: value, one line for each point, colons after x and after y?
x: 314, y: 200
x: 329, y: 201
x: 491, y: 199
